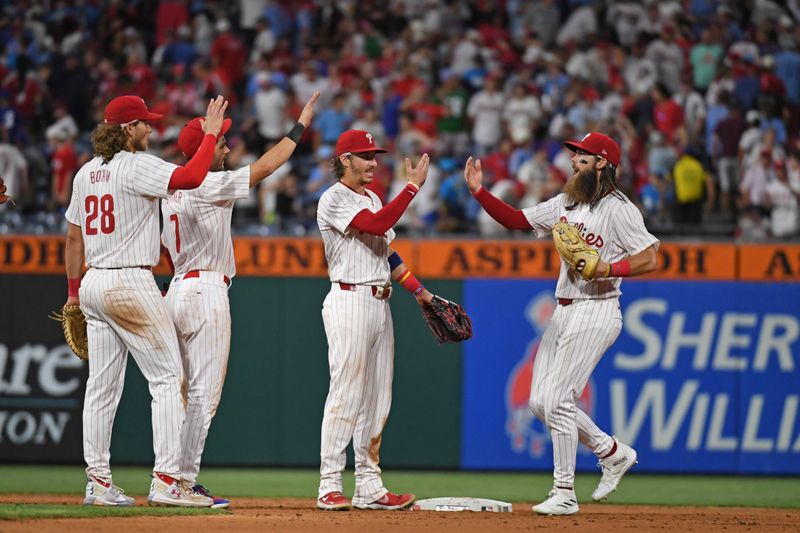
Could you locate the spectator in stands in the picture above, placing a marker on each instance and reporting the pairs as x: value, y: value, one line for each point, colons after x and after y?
x: 727, y: 135
x: 705, y: 57
x: 308, y: 81
x: 753, y: 196
x: 667, y: 113
x: 332, y: 122
x: 782, y: 200
x: 485, y: 110
x: 452, y: 126
x: 521, y: 114
x: 269, y: 111
x: 229, y: 56
x: 378, y: 54
x: 693, y: 187
x: 368, y: 121
x: 640, y: 72
x: 667, y: 56
x: 694, y: 109
x: 543, y: 17
x: 64, y: 164
x: 264, y: 42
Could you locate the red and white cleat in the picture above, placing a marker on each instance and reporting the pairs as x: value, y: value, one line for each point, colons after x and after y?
x: 390, y: 502
x: 333, y: 501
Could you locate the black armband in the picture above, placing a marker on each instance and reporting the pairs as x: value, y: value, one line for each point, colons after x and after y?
x: 296, y: 132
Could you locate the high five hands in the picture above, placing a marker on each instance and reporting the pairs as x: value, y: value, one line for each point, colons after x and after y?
x: 473, y: 175
x: 417, y: 175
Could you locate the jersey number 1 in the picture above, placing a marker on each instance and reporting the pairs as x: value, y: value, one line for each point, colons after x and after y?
x: 173, y: 217
x: 103, y: 207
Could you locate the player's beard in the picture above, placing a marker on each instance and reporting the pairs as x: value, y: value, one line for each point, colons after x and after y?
x: 218, y: 165
x: 582, y: 188
x: 140, y: 143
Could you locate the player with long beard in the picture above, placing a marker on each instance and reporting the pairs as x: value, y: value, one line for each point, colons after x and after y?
x: 587, y: 319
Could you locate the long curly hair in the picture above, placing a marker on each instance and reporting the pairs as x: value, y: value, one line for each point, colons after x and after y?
x: 336, y: 167
x: 108, y: 140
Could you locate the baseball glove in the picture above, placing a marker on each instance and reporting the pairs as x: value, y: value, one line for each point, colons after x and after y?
x: 74, y: 325
x: 447, y: 321
x: 574, y: 250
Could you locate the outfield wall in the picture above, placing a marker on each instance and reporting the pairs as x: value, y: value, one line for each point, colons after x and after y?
x: 703, y: 377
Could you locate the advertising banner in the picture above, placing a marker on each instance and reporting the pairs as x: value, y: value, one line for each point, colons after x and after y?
x: 304, y: 257
x: 41, y: 381
x: 703, y: 377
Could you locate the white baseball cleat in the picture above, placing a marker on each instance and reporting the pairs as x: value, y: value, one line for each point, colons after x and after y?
x: 614, y: 467
x: 99, y: 492
x: 168, y: 491
x: 559, y: 502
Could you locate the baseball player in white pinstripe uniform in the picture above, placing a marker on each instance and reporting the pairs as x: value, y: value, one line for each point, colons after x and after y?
x: 113, y: 226
x: 587, y: 320
x: 197, y: 235
x: 357, y: 232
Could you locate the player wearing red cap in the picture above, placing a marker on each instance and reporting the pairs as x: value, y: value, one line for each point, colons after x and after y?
x: 197, y: 235
x: 587, y: 319
x: 357, y: 232
x: 113, y: 227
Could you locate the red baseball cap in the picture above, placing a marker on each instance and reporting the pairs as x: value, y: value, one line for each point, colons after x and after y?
x: 124, y: 109
x: 356, y: 142
x: 597, y: 144
x: 192, y: 135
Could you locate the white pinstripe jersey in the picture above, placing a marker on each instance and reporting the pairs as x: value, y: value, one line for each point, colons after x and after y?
x: 197, y: 223
x: 353, y: 256
x: 116, y: 206
x: 615, y: 228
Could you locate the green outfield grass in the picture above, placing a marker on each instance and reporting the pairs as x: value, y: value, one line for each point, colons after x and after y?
x: 37, y: 512
x: 635, y: 489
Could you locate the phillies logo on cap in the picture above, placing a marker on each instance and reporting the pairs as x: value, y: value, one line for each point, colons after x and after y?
x: 597, y: 144
x: 355, y: 142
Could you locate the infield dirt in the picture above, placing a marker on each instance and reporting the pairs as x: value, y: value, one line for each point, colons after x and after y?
x: 301, y: 516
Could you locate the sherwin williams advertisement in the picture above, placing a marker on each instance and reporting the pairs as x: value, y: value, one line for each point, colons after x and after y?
x: 703, y: 377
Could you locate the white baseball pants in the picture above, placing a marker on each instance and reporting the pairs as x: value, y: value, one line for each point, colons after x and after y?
x: 361, y: 359
x: 125, y: 312
x: 202, y: 316
x: 575, y: 340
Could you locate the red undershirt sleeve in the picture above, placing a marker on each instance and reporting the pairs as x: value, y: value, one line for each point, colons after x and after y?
x: 380, y: 222
x: 194, y: 172
x: 503, y: 213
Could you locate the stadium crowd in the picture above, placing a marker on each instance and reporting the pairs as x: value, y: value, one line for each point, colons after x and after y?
x: 703, y: 96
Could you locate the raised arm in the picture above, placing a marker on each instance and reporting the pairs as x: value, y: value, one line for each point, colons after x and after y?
x: 281, y: 152
x: 195, y: 171
x: 379, y: 223
x: 503, y: 213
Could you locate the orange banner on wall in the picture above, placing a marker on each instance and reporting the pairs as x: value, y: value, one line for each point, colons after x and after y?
x: 769, y: 262
x: 448, y: 259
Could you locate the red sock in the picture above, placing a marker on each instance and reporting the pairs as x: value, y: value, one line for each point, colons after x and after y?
x: 611, y: 452
x: 165, y: 478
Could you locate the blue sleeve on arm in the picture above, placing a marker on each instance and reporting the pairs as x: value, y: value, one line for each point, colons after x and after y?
x: 394, y: 261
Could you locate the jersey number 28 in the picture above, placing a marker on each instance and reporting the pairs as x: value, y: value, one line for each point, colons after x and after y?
x: 103, y: 207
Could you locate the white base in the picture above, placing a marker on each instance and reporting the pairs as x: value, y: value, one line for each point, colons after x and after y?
x: 461, y: 504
